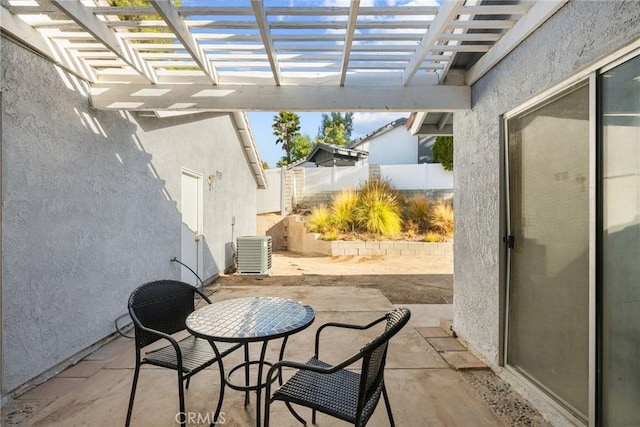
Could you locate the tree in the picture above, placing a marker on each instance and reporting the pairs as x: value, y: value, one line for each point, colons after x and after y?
x: 335, y: 128
x: 144, y: 3
x: 443, y: 152
x: 301, y: 147
x: 334, y: 134
x: 285, y: 127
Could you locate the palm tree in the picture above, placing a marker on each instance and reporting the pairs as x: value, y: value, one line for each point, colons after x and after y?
x: 285, y: 127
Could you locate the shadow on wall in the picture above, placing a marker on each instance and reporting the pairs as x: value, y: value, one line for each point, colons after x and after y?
x: 150, y: 122
x: 229, y: 254
x: 86, y: 218
x: 273, y: 225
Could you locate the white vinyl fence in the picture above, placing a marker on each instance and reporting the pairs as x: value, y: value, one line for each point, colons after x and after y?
x: 271, y: 198
x: 425, y: 176
x: 287, y: 186
x: 335, y: 178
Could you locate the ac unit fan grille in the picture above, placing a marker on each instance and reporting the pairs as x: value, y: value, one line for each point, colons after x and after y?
x: 254, y: 254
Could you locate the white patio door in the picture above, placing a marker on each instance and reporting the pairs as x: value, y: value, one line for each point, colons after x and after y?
x: 548, y: 151
x: 191, y: 208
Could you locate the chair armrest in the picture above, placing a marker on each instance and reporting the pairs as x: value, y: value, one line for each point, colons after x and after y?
x: 160, y: 334
x: 202, y: 295
x: 345, y: 326
x: 276, y: 367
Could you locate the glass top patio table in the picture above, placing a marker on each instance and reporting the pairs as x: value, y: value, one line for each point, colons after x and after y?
x: 250, y: 319
x: 247, y: 320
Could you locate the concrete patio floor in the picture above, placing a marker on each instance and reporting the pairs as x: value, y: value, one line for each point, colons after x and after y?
x: 423, y: 389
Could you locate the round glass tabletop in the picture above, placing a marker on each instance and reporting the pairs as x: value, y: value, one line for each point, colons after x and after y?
x: 250, y: 319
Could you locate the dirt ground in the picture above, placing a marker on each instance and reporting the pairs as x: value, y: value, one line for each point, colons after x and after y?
x: 424, y: 279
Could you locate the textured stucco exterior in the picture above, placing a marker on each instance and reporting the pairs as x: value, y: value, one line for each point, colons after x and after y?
x: 578, y: 35
x: 91, y: 209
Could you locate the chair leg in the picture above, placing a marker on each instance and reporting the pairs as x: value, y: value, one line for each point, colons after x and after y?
x: 267, y: 407
x: 388, y: 405
x: 313, y: 416
x: 183, y: 416
x: 246, y: 374
x: 133, y: 394
x: 187, y: 383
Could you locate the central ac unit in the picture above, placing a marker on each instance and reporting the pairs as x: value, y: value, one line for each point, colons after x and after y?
x: 254, y: 254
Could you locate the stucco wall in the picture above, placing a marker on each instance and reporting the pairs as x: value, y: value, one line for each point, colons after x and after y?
x: 91, y: 209
x: 576, y: 36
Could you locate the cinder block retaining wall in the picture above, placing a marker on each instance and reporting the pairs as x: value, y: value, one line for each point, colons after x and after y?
x: 300, y: 241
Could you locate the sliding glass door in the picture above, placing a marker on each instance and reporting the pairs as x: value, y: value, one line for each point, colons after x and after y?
x: 548, y: 302
x: 620, y: 259
x: 573, y: 270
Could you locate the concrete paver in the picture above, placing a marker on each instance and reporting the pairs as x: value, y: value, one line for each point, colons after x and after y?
x: 462, y: 360
x: 432, y: 332
x: 446, y: 344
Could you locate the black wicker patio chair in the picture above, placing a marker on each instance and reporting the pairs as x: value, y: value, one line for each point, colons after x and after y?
x: 159, y: 310
x: 334, y: 390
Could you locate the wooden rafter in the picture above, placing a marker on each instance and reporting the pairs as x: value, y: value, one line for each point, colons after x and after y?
x: 538, y: 14
x: 276, y: 98
x: 24, y: 32
x: 448, y: 11
x: 267, y: 41
x: 180, y: 29
x: 348, y: 40
x: 87, y: 20
x: 298, y: 55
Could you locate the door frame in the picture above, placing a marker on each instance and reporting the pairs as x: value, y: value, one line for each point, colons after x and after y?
x: 200, y: 212
x: 591, y: 76
x: 540, y: 101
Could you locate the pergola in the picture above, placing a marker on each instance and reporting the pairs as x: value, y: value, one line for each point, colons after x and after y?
x: 254, y: 55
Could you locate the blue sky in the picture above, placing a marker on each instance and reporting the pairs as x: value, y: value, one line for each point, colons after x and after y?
x: 261, y: 122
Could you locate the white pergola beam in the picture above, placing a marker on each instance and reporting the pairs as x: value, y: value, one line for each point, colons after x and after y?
x: 461, y: 17
x: 22, y: 31
x: 99, y: 29
x: 448, y: 11
x: 267, y: 41
x: 276, y: 98
x: 348, y: 40
x: 180, y: 29
x: 537, y: 15
x: 434, y: 130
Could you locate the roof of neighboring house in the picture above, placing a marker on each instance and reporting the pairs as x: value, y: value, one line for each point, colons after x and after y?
x: 329, y: 155
x: 386, y: 128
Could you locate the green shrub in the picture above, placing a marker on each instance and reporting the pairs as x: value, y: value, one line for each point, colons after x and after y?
x: 443, y: 152
x: 330, y: 235
x: 320, y: 220
x: 379, y: 186
x: 418, y: 212
x: 442, y: 218
x: 378, y: 214
x: 433, y: 237
x: 343, y: 209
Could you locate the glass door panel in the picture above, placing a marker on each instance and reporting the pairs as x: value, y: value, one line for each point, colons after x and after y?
x: 548, y: 302
x: 621, y: 245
